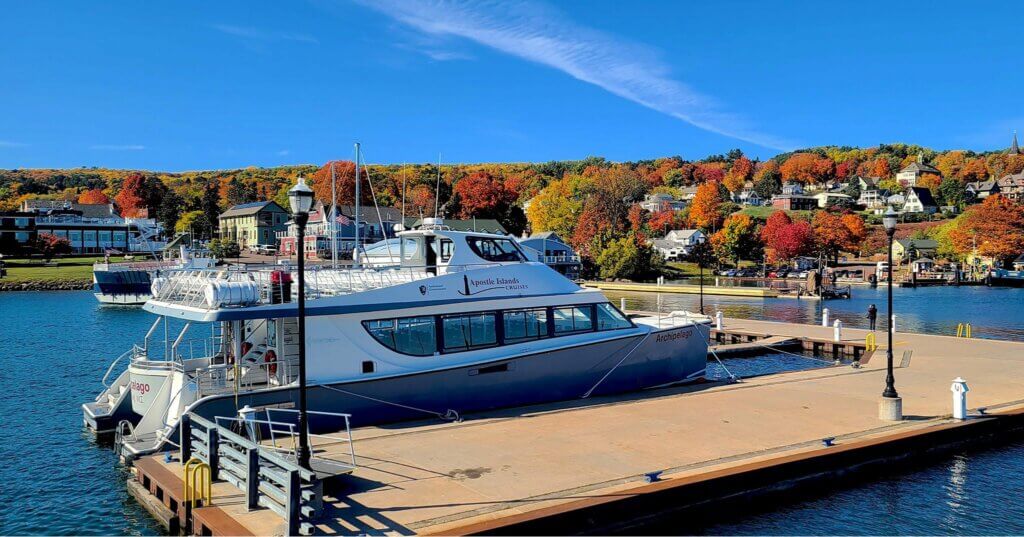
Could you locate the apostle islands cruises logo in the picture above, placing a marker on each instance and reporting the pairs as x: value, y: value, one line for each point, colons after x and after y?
x: 472, y: 286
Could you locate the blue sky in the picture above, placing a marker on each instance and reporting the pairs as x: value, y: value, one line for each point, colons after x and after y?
x: 204, y: 85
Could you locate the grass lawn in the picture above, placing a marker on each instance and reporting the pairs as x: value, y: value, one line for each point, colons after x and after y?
x: 31, y: 270
x: 764, y: 212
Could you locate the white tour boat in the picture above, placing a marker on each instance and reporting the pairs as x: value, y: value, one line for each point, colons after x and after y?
x: 464, y: 323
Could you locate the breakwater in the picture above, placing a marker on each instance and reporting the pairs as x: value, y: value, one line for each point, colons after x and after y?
x: 46, y: 285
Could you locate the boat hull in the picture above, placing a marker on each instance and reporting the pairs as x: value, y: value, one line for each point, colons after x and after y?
x: 996, y: 281
x: 124, y: 287
x: 607, y: 367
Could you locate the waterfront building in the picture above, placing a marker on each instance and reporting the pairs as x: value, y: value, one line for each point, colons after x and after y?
x: 909, y: 175
x: 656, y: 203
x: 873, y: 198
x: 922, y: 247
x: 677, y: 243
x: 919, y: 200
x: 90, y: 229
x: 548, y: 248
x: 253, y: 224
x: 795, y: 202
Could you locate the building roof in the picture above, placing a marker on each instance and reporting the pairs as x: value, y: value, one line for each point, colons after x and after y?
x: 1014, y: 148
x: 684, y: 233
x: 982, y: 186
x: 247, y: 209
x: 928, y: 244
x: 920, y: 167
x: 924, y: 260
x: 666, y: 244
x: 545, y: 235
x: 870, y: 181
x: 95, y: 210
x: 924, y: 195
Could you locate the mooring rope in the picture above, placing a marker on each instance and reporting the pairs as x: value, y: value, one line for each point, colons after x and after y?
x: 449, y: 415
x: 616, y: 366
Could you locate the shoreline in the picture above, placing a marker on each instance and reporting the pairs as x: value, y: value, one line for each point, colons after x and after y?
x: 45, y: 285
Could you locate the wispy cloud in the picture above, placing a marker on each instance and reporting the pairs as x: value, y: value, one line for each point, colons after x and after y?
x: 537, y: 32
x: 126, y: 147
x: 256, y: 34
x: 283, y: 153
x: 8, y: 143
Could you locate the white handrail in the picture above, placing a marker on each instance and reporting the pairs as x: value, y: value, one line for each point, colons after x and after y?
x: 112, y: 364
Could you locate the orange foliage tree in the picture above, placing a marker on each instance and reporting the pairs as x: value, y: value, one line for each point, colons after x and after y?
x: 93, y: 197
x: 704, y: 211
x: 344, y: 183
x: 132, y: 197
x: 741, y: 172
x: 807, y: 168
x: 997, y: 224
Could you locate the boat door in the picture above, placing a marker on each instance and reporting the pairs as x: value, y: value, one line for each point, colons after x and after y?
x: 431, y: 252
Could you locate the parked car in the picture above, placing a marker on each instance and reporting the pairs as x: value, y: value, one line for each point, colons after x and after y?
x: 782, y: 272
x: 731, y: 273
x: 267, y: 249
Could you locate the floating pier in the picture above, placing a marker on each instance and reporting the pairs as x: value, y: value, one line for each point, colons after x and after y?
x: 613, y: 464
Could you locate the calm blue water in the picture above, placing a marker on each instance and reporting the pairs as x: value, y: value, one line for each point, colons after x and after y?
x: 993, y: 312
x: 54, y: 479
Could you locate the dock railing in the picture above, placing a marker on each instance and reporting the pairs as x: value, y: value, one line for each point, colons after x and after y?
x: 270, y: 476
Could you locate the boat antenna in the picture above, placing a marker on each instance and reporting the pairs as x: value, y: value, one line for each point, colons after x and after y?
x: 437, y: 190
x: 355, y: 258
x: 404, y: 166
x: 334, y: 217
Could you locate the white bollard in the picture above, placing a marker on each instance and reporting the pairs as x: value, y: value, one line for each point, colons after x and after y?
x: 959, y: 389
x: 716, y: 279
x: 824, y: 317
x: 837, y: 330
x: 718, y: 320
x: 622, y: 304
x: 248, y: 415
x: 892, y: 324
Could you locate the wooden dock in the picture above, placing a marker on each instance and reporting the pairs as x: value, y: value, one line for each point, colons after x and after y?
x: 582, y: 466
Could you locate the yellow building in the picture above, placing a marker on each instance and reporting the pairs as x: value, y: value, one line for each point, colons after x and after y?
x: 253, y: 224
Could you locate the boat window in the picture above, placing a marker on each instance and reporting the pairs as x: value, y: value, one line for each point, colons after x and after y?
x: 525, y: 325
x: 492, y: 249
x: 610, y: 318
x: 409, y: 335
x: 472, y: 331
x: 573, y: 319
x: 447, y: 249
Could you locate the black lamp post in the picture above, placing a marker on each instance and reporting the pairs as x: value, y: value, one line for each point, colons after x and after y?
x: 889, y: 220
x: 300, y: 197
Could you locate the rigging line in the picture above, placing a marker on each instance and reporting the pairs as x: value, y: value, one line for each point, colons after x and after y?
x: 369, y: 181
x: 707, y: 337
x: 616, y: 366
x: 437, y: 189
x: 449, y: 415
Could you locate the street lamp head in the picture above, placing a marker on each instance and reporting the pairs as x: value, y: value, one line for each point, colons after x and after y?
x: 300, y: 197
x: 889, y: 221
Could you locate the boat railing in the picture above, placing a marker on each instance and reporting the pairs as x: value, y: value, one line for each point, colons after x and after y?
x: 189, y: 288
x: 106, y: 376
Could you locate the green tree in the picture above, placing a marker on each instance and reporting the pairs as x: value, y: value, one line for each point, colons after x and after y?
x: 952, y: 192
x: 210, y: 206
x: 192, y: 222
x: 739, y: 238
x: 170, y: 211
x: 628, y: 258
x: 224, y: 248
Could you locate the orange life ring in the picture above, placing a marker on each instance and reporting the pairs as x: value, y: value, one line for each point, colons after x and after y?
x: 271, y: 359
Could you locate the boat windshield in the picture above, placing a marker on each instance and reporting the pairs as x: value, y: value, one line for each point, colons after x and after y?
x: 497, y: 250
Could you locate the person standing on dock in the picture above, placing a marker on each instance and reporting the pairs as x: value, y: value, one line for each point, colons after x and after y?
x: 872, y: 316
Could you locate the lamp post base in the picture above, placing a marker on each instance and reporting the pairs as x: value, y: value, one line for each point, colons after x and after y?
x: 890, y: 408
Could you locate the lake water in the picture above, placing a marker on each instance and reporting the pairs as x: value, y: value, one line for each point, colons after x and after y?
x: 55, y: 479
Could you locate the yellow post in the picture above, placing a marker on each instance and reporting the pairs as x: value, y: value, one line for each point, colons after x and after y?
x: 968, y: 329
x: 960, y: 330
x: 198, y: 482
x: 869, y: 342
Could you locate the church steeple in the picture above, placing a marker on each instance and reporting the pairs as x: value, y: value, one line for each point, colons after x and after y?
x: 1014, y: 148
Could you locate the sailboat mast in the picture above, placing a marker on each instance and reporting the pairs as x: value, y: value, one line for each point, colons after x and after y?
x: 355, y: 257
x: 334, y: 220
x: 437, y: 189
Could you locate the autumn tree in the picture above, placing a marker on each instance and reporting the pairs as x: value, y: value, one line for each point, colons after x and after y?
x: 996, y: 225
x: 807, y: 168
x: 628, y: 257
x: 856, y: 232
x: 661, y: 222
x: 831, y: 234
x: 737, y: 239
x: 741, y: 172
x: 768, y: 180
x: 49, y: 245
x: 93, y: 197
x: 557, y: 207
x: 131, y: 200
x: 785, y: 239
x: 344, y: 183
x: 704, y: 211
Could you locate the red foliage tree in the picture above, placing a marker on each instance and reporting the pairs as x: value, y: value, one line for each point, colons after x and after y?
x: 662, y: 222
x: 133, y: 195
x: 785, y: 239
x: 93, y: 197
x: 50, y: 245
x: 997, y: 224
x: 807, y: 168
x: 483, y: 195
x: 344, y: 183
x: 421, y: 200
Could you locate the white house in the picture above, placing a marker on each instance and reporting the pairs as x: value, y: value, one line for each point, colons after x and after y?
x: 792, y: 189
x: 919, y: 200
x: 686, y: 237
x: 908, y: 176
x: 677, y: 243
x: 826, y: 199
x: 548, y: 248
x: 872, y: 198
x: 661, y: 202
